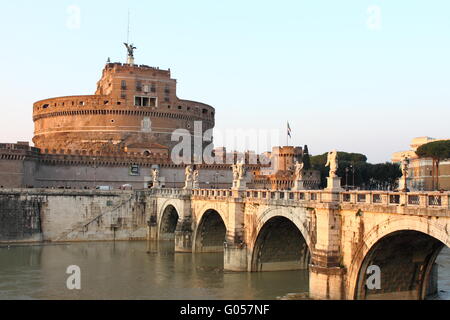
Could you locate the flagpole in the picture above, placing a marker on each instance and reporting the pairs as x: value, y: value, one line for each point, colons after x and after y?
x: 288, y: 134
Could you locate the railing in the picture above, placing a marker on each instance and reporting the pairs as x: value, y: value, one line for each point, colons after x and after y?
x: 385, y: 198
x: 437, y: 200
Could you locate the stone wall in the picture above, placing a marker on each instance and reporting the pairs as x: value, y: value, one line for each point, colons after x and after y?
x: 20, y: 218
x: 68, y: 215
x: 21, y: 169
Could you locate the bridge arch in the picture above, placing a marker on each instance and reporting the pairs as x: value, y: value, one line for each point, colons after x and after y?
x: 210, y: 233
x: 168, y: 222
x: 405, y: 250
x: 281, y: 242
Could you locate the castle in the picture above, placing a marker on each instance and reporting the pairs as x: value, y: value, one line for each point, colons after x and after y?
x: 116, y: 136
x: 135, y: 109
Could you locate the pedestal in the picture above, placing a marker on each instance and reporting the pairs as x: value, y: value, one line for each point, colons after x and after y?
x: 239, y: 185
x: 189, y: 185
x: 299, y: 185
x: 156, y: 185
x: 334, y: 184
x: 401, y: 184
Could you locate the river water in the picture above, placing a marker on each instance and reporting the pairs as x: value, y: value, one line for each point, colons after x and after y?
x: 142, y: 270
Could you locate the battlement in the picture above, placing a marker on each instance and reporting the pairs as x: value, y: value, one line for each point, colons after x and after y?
x: 123, y: 67
x: 18, y: 151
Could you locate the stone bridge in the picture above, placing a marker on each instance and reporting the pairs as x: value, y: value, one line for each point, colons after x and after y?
x: 335, y: 235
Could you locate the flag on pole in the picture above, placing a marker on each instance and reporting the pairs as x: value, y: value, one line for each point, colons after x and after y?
x: 289, y: 130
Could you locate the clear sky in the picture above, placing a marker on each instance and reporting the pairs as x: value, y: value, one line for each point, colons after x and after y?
x: 355, y: 75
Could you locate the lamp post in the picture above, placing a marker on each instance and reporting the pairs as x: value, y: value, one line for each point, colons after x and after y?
x: 405, y: 168
x: 346, y: 178
x: 353, y: 179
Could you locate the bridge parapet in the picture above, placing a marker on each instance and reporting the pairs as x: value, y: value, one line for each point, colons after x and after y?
x: 410, y: 199
x: 414, y: 200
x: 173, y: 193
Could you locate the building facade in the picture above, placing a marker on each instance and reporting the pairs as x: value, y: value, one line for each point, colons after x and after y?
x: 420, y: 173
x: 280, y: 174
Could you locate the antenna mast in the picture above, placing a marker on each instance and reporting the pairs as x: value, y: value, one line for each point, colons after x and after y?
x: 128, y: 45
x: 128, y: 30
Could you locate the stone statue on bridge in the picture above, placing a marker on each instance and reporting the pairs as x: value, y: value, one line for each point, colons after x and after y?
x: 188, y: 173
x: 195, y: 180
x: 332, y: 163
x: 239, y: 182
x: 333, y: 181
x: 299, y: 170
x: 298, y: 176
x: 155, y: 174
x: 241, y: 169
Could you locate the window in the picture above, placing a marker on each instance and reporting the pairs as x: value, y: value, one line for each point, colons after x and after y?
x: 180, y: 107
x: 205, y: 111
x: 167, y: 90
x: 124, y: 85
x: 166, y: 99
x: 153, y: 88
x: 144, y: 102
x: 138, y: 85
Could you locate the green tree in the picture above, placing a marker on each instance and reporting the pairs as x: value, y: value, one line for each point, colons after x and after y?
x: 306, y: 158
x: 384, y: 175
x: 365, y: 175
x: 437, y: 151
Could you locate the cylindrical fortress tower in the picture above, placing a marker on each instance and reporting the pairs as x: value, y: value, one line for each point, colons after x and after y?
x: 135, y: 109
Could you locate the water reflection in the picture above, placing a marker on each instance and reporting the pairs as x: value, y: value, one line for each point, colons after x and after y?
x: 134, y: 270
x: 443, y: 262
x: 146, y: 270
